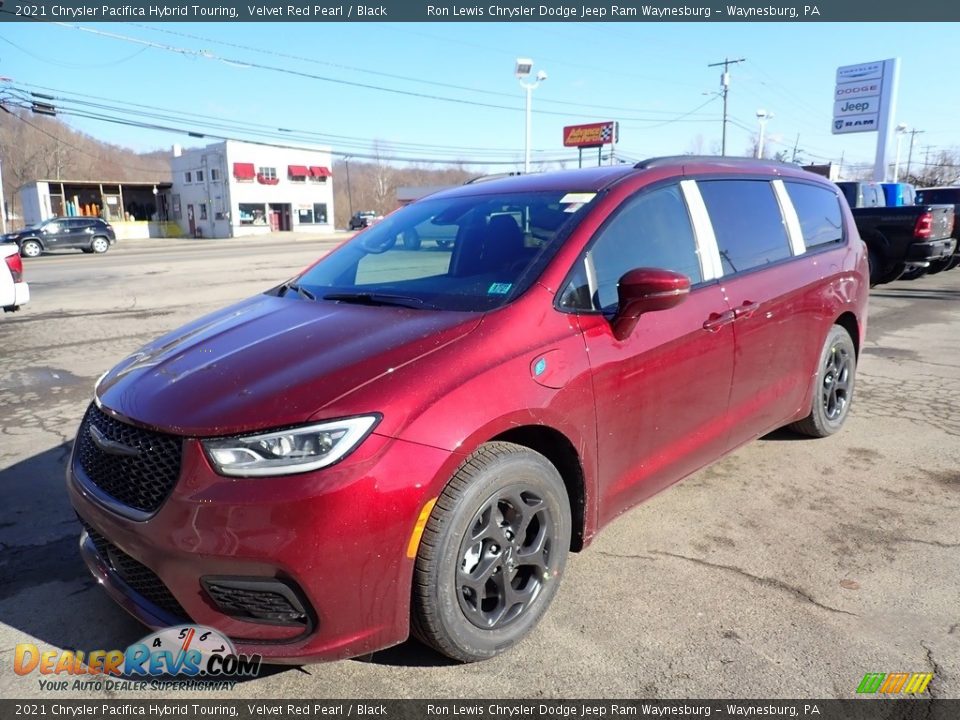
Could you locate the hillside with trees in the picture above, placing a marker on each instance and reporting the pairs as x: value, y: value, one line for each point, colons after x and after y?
x: 36, y: 147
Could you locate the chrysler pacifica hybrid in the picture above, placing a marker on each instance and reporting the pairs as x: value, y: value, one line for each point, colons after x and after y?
x: 399, y: 441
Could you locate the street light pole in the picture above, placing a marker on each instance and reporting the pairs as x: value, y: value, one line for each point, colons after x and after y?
x: 522, y: 69
x: 762, y: 117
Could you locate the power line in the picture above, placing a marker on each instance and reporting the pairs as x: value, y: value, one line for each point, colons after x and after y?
x: 380, y: 73
x: 350, y: 83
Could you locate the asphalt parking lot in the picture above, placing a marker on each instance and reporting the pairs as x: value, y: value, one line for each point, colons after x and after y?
x: 788, y: 569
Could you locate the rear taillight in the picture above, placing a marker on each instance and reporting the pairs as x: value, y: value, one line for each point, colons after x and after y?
x: 924, y: 227
x: 16, y: 267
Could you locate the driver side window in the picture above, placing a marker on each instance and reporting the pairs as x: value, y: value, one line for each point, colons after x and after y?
x: 651, y: 229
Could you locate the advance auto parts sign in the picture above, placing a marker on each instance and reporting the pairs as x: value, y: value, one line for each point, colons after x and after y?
x: 857, y: 98
x: 590, y: 135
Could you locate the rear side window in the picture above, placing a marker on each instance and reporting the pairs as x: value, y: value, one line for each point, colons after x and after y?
x: 747, y: 222
x: 651, y: 230
x: 819, y: 211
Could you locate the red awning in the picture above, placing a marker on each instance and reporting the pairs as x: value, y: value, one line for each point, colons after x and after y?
x: 320, y: 171
x: 244, y: 171
x: 298, y: 171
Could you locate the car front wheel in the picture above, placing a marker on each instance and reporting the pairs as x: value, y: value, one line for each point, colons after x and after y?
x: 833, y: 386
x: 100, y: 245
x: 31, y: 249
x: 492, y: 553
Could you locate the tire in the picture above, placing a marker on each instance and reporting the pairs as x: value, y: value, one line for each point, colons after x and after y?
x: 832, y: 386
x: 941, y: 265
x: 99, y: 245
x: 31, y: 249
x: 473, y: 549
x: 411, y: 240
x: 914, y: 273
x: 444, y: 244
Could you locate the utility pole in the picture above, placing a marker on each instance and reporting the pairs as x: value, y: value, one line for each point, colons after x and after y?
x: 3, y: 205
x: 796, y: 147
x: 346, y: 161
x: 725, y: 84
x: 913, y: 135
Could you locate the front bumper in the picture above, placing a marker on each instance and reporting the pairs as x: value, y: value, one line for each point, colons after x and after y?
x: 338, y: 537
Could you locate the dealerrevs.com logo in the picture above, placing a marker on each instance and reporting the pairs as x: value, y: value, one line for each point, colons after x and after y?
x: 182, y: 657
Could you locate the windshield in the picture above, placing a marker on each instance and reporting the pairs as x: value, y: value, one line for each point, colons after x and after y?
x: 463, y: 253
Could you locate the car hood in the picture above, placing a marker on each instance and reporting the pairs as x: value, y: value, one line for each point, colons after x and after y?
x: 270, y: 362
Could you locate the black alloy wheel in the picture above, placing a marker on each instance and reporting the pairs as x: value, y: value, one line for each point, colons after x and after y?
x: 492, y: 553
x: 833, y: 386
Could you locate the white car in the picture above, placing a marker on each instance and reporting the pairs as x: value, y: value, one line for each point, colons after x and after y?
x: 14, y: 292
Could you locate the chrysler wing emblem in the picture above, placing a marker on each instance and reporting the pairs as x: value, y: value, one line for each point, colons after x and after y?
x: 111, y: 446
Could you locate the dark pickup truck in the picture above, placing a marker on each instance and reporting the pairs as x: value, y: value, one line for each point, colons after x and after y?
x: 939, y: 196
x: 899, y: 238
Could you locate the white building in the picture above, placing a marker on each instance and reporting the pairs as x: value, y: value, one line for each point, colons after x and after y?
x: 234, y: 188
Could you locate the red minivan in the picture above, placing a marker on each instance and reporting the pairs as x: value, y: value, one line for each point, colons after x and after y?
x: 406, y: 439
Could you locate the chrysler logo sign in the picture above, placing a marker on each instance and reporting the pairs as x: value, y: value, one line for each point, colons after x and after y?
x: 111, y: 447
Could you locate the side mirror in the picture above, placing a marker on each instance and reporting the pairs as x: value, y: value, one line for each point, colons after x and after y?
x: 644, y: 290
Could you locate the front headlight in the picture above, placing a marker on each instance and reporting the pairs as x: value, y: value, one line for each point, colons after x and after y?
x: 286, y: 452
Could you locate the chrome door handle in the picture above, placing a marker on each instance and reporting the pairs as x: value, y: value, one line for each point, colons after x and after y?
x: 746, y: 310
x: 718, y: 320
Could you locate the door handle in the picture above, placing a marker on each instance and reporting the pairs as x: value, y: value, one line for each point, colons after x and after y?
x: 746, y: 310
x: 718, y: 320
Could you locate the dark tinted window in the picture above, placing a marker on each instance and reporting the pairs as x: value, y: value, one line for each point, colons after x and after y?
x: 747, y: 222
x: 943, y: 196
x: 652, y: 230
x: 819, y: 211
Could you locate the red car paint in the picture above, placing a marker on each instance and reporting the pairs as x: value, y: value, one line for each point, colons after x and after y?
x: 631, y: 415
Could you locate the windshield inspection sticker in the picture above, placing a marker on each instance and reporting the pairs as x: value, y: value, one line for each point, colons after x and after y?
x: 575, y: 201
x: 499, y: 288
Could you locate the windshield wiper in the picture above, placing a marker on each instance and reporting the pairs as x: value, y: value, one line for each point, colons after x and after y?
x: 298, y: 289
x: 368, y: 298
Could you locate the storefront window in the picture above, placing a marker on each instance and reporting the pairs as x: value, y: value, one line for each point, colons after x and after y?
x: 252, y: 214
x: 305, y: 216
x: 320, y: 213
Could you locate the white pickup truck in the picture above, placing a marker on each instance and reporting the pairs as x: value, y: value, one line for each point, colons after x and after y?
x: 14, y: 292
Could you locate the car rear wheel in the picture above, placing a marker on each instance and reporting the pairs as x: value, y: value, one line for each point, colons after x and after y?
x: 914, y: 273
x: 411, y: 239
x: 100, y: 245
x: 833, y: 386
x: 492, y: 553
x: 31, y: 249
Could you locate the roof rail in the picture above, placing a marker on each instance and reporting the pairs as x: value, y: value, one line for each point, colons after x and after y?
x: 725, y: 159
x: 495, y: 176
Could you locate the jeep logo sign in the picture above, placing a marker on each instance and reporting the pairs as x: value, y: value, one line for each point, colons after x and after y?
x: 856, y: 106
